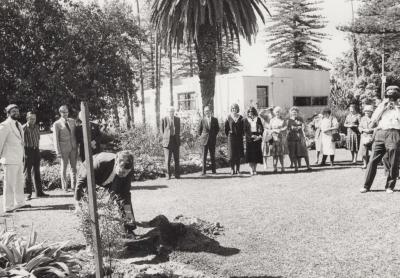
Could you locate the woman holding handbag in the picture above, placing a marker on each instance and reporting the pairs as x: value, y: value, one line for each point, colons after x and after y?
x: 353, y: 135
x: 329, y: 136
x: 366, y: 134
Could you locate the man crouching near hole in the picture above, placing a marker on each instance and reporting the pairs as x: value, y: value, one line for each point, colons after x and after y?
x: 113, y: 172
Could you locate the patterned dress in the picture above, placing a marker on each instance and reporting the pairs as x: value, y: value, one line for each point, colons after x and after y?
x: 353, y: 135
x: 277, y: 148
x: 296, y: 139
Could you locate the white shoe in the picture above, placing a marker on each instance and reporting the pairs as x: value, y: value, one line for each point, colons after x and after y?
x: 389, y: 191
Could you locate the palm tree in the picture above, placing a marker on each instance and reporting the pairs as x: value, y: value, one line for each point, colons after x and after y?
x: 183, y: 22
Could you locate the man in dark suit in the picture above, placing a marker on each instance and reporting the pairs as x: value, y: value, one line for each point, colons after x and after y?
x: 170, y: 130
x: 208, y: 131
x: 115, y: 173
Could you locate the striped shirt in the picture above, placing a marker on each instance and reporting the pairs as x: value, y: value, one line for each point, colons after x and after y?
x: 31, y: 136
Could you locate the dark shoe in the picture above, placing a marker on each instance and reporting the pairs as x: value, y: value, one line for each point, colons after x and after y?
x: 203, y: 174
x: 214, y: 172
x: 178, y: 177
x: 28, y: 198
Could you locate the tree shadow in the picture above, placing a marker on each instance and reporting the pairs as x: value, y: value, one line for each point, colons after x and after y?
x: 55, y: 196
x: 148, y: 187
x: 383, y: 190
x: 173, y: 236
x: 48, y: 207
x: 219, y: 177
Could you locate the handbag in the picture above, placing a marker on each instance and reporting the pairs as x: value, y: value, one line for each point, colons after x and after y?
x: 335, y: 134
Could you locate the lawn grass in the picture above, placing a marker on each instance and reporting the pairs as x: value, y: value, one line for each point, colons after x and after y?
x: 284, y: 225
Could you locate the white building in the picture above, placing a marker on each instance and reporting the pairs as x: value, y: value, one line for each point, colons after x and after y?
x: 307, y: 89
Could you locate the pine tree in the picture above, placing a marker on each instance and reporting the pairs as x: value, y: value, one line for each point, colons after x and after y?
x: 295, y: 34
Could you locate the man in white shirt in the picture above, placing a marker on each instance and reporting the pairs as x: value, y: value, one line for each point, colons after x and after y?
x: 11, y: 156
x: 386, y: 119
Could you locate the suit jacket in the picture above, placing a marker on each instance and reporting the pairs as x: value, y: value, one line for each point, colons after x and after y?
x: 95, y: 134
x: 63, y: 139
x: 166, y: 131
x: 103, y: 166
x: 208, y: 132
x: 11, y: 142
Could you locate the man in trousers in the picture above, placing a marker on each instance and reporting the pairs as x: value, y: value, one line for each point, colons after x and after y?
x: 208, y: 131
x: 386, y: 141
x: 32, y: 157
x: 64, y: 139
x: 12, y: 156
x: 170, y: 130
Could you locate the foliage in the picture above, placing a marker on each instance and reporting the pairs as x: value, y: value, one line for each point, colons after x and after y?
x: 64, y: 53
x: 295, y: 35
x: 110, y: 223
x: 20, y: 257
x: 377, y: 31
x: 50, y: 175
x: 182, y: 22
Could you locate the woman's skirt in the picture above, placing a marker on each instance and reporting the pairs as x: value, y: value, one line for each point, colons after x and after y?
x: 277, y: 148
x: 235, y: 148
x: 254, y: 153
x: 297, y: 149
x: 327, y: 146
x: 318, y: 144
x: 365, y: 145
x: 352, y: 140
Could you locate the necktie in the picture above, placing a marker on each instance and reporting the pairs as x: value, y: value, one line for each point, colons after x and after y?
x: 16, y: 124
x: 67, y: 125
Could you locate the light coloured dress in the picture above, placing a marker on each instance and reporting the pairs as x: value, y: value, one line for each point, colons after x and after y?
x: 277, y: 148
x: 327, y: 146
x: 353, y: 135
x: 366, y: 136
x: 316, y: 124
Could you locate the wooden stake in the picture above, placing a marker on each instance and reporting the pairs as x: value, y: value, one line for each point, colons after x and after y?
x: 92, y: 190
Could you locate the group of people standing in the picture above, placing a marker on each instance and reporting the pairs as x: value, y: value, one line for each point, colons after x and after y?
x: 267, y: 136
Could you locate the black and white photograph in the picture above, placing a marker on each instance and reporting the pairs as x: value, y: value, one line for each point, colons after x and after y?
x: 199, y: 138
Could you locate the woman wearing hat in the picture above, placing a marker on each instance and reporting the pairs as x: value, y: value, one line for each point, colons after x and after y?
x: 296, y: 140
x: 329, y: 126
x: 235, y: 131
x: 366, y: 134
x: 253, y: 129
x: 353, y: 135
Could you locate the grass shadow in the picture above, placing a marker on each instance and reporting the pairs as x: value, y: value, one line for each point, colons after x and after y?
x: 49, y: 207
x: 262, y: 276
x: 214, y: 177
x: 148, y: 187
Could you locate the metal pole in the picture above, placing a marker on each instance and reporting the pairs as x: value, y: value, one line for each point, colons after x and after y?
x: 383, y: 73
x: 92, y: 191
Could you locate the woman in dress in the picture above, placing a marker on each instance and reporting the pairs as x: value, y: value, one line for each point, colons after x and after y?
x: 277, y: 127
x: 316, y: 126
x: 329, y: 125
x: 366, y: 134
x: 296, y: 140
x: 353, y: 135
x: 266, y: 138
x: 253, y: 130
x: 234, y: 132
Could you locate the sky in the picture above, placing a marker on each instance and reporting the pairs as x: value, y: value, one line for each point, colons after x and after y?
x: 337, y: 12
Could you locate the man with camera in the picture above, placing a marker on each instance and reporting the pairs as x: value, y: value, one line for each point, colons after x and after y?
x: 386, y: 119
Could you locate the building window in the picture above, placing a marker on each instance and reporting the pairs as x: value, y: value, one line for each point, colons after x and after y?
x: 187, y: 101
x: 319, y: 101
x: 262, y: 97
x: 310, y: 101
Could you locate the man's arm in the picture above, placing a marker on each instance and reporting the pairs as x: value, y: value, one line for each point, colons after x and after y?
x: 3, y: 136
x: 200, y: 129
x: 56, y: 140
x: 216, y: 126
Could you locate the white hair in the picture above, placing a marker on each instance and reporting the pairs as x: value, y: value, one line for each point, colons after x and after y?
x: 277, y: 109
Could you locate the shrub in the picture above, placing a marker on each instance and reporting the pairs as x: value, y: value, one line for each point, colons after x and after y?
x: 20, y: 257
x: 50, y: 175
x: 110, y: 223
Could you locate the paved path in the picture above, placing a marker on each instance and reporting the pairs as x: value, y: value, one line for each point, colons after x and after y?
x: 284, y: 225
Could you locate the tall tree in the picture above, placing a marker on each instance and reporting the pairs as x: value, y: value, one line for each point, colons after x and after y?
x: 202, y: 22
x: 295, y: 35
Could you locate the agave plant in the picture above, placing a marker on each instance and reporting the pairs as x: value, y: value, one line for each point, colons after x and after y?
x: 24, y: 258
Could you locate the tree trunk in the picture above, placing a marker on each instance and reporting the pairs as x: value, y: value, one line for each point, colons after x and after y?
x: 116, y: 116
x: 128, y: 110
x: 152, y: 63
x: 207, y: 62
x: 141, y: 71
x: 132, y: 105
x: 171, y: 78
x: 191, y: 61
x: 157, y: 81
